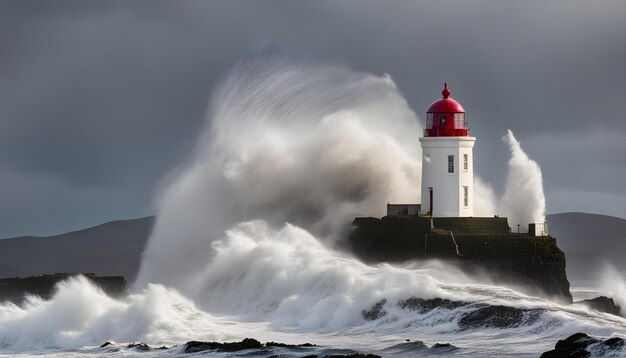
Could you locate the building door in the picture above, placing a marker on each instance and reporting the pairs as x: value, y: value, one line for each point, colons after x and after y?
x: 430, y: 192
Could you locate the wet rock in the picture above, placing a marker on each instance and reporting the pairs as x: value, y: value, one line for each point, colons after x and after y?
x: 421, y: 305
x: 444, y: 347
x: 377, y: 311
x: 291, y: 346
x: 407, y: 346
x: 602, y: 304
x: 424, y: 305
x: 416, y: 346
x: 498, y: 317
x: 354, y: 355
x: 581, y: 345
x: 572, y: 346
x: 614, y: 343
x: 576, y: 341
x: 140, y: 346
x: 197, y: 346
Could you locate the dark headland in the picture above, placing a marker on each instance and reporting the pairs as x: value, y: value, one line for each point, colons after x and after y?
x: 481, y: 244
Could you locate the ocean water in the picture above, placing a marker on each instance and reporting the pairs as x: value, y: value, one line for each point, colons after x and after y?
x: 244, y: 244
x: 324, y: 308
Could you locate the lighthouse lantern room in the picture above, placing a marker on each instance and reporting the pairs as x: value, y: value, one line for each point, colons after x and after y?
x: 447, y: 165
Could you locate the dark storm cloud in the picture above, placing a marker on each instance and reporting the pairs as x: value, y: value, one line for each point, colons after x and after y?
x: 99, y: 100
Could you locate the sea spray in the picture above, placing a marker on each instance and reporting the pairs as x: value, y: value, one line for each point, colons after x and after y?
x: 80, y: 314
x: 613, y: 284
x: 523, y: 201
x: 288, y: 141
x: 485, y: 200
x: 308, y: 143
x: 291, y: 279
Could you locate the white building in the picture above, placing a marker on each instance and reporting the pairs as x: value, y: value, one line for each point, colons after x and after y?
x: 447, y: 163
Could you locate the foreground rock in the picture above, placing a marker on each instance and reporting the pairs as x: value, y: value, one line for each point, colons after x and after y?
x: 251, y: 343
x: 418, y: 348
x: 139, y: 346
x: 292, y: 346
x: 354, y: 355
x: 582, y: 345
x: 197, y: 346
x: 421, y: 305
x: 602, y: 304
x: 480, y: 315
x: 498, y: 317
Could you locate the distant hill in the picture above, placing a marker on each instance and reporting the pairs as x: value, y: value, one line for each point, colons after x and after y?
x: 115, y: 248
x: 588, y: 241
x: 109, y: 249
x: 588, y: 232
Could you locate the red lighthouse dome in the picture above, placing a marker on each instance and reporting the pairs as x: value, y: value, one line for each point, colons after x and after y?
x: 445, y: 117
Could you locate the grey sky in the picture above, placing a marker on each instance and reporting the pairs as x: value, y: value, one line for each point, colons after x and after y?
x: 100, y: 100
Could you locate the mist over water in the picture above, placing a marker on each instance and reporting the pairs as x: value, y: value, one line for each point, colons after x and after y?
x: 485, y: 199
x: 288, y: 277
x: 613, y: 284
x: 243, y: 242
x: 81, y: 314
x: 523, y: 201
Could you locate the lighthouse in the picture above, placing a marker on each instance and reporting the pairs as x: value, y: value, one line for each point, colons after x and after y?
x: 447, y: 165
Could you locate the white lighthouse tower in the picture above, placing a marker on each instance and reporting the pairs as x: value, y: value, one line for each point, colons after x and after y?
x: 447, y: 174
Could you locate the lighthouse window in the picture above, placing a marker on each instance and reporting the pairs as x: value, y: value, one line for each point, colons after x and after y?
x: 451, y: 164
x: 429, y: 120
x: 443, y: 121
x: 458, y: 120
x: 465, y: 196
x: 465, y: 160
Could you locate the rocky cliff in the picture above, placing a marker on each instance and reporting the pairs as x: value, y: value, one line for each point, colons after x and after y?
x: 532, y: 263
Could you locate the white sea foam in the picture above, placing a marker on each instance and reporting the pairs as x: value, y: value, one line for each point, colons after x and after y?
x: 294, y: 290
x: 81, y: 314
